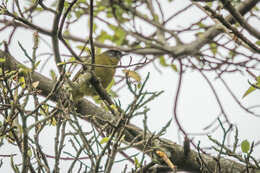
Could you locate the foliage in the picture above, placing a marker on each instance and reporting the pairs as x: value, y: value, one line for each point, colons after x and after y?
x: 91, y: 136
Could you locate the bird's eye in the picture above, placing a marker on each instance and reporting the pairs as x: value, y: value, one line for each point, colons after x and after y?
x: 114, y: 53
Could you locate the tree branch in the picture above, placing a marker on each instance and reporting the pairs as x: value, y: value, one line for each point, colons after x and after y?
x: 91, y: 112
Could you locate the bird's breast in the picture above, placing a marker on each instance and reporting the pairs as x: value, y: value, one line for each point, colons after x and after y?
x: 105, y: 75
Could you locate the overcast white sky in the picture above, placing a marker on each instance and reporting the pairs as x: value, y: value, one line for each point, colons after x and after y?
x: 197, y: 106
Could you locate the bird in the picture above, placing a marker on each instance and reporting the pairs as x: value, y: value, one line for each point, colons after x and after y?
x: 105, y: 64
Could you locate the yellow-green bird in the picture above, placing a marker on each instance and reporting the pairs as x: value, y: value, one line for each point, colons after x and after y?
x: 109, y: 59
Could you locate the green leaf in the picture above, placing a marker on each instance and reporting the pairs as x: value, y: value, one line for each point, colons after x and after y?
x: 94, y: 27
x: 109, y: 14
x: 133, y: 74
x: 110, y: 85
x: 22, y: 82
x: 256, y: 8
x: 245, y: 146
x: 44, y: 110
x: 164, y: 64
x: 231, y: 54
x: 104, y: 36
x: 162, y: 61
x: 23, y: 70
x: 61, y: 63
x: 72, y: 59
x: 174, y: 67
x: 100, y: 8
x: 201, y: 25
x: 137, y: 163
x: 156, y: 18
x: 248, y: 91
x: 79, y: 13
x: 2, y: 60
x: 104, y: 140
x: 38, y: 9
x: 37, y: 64
x: 209, y: 4
x: 251, y: 88
x: 119, y: 35
x: 66, y: 5
x: 53, y: 121
x: 213, y: 48
x: 81, y: 1
x: 53, y: 75
x: 84, y: 48
x: 3, y: 11
x: 199, y: 34
x: 258, y: 42
x: 29, y: 152
x: 128, y: 2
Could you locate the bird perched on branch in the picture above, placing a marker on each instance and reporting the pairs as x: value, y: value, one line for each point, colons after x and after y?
x: 105, y: 64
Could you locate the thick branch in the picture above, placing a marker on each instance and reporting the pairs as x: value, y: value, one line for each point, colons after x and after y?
x: 86, y: 108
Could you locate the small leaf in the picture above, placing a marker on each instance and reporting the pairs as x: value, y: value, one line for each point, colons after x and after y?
x: 252, y: 88
x: 104, y: 140
x: 3, y: 11
x: 133, y: 75
x: 200, y: 34
x: 53, y: 121
x: 53, y: 75
x: 29, y: 152
x: 44, y: 110
x: 103, y: 36
x: 61, y: 63
x: 114, y: 107
x: 108, y: 88
x: 112, y: 93
x: 36, y: 64
x: 245, y: 146
x: 231, y: 54
x: 137, y: 163
x: 66, y: 4
x: 72, y: 59
x: 209, y: 4
x: 258, y: 42
x: 2, y: 60
x: 94, y: 27
x: 201, y: 25
x: 22, y: 82
x: 35, y: 84
x: 84, y: 48
x: 156, y: 17
x: 213, y: 48
x: 248, y: 91
x: 162, y: 61
x: 174, y: 67
x: 23, y: 70
x: 119, y: 36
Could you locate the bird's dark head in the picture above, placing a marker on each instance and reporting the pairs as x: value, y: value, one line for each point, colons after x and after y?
x: 114, y: 53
